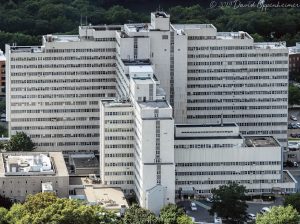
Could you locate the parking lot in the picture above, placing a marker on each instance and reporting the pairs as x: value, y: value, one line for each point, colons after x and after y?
x: 202, y: 214
x: 296, y: 113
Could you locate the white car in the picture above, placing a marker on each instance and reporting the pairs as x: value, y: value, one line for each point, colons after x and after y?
x: 193, y: 206
x: 218, y: 220
x: 264, y: 210
x: 209, y: 199
x: 251, y: 216
x: 293, y: 118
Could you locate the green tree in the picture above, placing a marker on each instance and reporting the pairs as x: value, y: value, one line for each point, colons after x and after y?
x: 293, y: 200
x: 47, y: 208
x: 279, y: 215
x: 20, y: 142
x: 3, y: 213
x: 229, y: 202
x: 294, y: 95
x: 170, y: 213
x: 5, y: 202
x: 138, y: 215
x: 184, y: 219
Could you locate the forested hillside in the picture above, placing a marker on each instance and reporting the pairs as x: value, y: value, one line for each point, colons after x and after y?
x: 24, y: 21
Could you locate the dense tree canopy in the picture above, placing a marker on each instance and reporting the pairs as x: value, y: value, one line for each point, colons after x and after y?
x: 279, y: 215
x: 294, y: 95
x: 137, y: 215
x: 293, y: 200
x: 229, y: 202
x: 20, y: 142
x: 23, y: 22
x: 47, y: 208
x: 170, y: 214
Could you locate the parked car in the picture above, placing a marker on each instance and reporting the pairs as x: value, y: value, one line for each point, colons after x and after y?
x: 295, y: 135
x: 293, y: 118
x: 296, y: 164
x: 250, y: 216
x: 264, y: 210
x: 293, y: 145
x: 289, y: 163
x: 218, y: 220
x: 209, y: 199
x: 290, y: 126
x: 193, y: 206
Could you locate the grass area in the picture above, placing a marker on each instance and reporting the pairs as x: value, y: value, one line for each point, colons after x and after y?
x: 294, y: 139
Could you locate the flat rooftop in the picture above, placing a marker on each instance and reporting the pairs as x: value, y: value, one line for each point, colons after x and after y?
x: 108, y: 197
x: 32, y: 164
x: 154, y: 104
x: 261, y: 141
x: 102, y: 27
x: 136, y: 62
x: 232, y: 35
x: 193, y: 26
x: 2, y: 56
x: 270, y: 45
x: 137, y: 27
x: 85, y: 162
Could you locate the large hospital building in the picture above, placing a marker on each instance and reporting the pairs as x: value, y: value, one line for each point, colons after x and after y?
x: 171, y: 108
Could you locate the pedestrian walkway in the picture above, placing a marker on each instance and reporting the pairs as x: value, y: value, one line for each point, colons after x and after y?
x: 202, y: 205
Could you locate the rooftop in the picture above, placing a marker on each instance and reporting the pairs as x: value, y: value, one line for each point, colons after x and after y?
x: 102, y: 27
x: 193, y: 26
x: 261, y: 141
x: 61, y: 38
x: 207, y: 137
x: 233, y: 35
x: 109, y: 198
x: 85, y: 162
x: 270, y: 45
x: 137, y: 27
x: 154, y: 104
x: 136, y: 62
x: 295, y: 49
x: 2, y: 56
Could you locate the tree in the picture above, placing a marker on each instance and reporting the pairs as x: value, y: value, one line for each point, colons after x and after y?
x: 20, y: 142
x: 294, y: 95
x: 170, y: 213
x: 5, y: 202
x: 137, y: 215
x: 47, y: 208
x: 3, y: 212
x: 279, y: 215
x: 293, y: 200
x: 184, y: 219
x: 229, y: 202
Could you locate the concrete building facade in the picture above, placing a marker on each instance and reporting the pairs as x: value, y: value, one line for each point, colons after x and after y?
x: 2, y: 74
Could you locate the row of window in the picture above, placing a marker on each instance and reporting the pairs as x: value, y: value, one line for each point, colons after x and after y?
x: 254, y: 55
x: 239, y: 93
x: 94, y: 135
x: 119, y: 146
x: 80, y: 50
x: 240, y: 85
x: 195, y: 63
x: 46, y: 144
x: 60, y: 127
x: 95, y: 65
x: 118, y: 130
x: 239, y: 100
x: 63, y: 103
x: 118, y: 155
x: 118, y: 121
x: 119, y: 138
x: 55, y: 119
x: 204, y: 146
x: 95, y: 57
x: 216, y: 173
x: 63, y: 80
x: 119, y: 113
x: 248, y: 77
x: 121, y: 173
x: 226, y: 182
x: 237, y: 70
x: 275, y: 107
x: 61, y: 88
x: 248, y: 163
x: 50, y: 96
x: 54, y: 111
x: 119, y: 164
x: 104, y: 72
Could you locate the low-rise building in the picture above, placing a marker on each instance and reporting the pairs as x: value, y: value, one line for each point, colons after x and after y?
x: 208, y: 156
x: 24, y: 173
